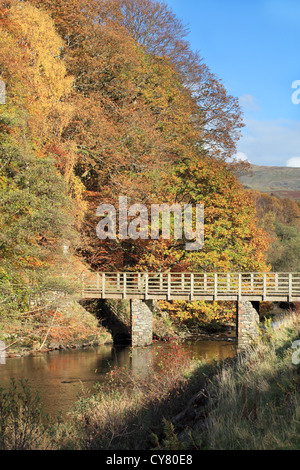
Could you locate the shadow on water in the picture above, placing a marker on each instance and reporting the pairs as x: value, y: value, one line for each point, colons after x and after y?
x: 58, y: 376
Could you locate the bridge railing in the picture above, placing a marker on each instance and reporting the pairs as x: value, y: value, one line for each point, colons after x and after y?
x: 193, y: 286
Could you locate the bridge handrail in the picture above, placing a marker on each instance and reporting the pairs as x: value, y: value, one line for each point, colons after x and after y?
x: 195, y: 284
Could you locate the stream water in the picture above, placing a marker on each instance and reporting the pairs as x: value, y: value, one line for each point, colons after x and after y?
x: 58, y: 376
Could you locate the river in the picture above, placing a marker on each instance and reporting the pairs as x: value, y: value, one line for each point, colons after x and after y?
x: 58, y: 376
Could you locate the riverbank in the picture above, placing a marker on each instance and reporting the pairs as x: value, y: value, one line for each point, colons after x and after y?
x: 67, y: 326
x: 252, y: 403
x: 249, y: 402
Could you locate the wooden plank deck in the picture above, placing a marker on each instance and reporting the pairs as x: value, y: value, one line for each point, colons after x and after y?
x: 271, y: 287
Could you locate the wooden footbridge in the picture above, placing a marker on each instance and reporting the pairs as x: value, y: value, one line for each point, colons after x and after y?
x: 142, y: 289
x: 271, y: 287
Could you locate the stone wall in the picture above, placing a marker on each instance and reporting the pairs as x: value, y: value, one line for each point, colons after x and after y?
x: 141, y: 322
x: 247, y: 323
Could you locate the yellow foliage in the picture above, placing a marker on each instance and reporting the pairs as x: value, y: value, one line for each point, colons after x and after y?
x: 33, y: 40
x: 199, y: 311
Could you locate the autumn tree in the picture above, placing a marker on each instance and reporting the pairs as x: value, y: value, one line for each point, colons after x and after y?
x: 106, y: 98
x: 233, y: 237
x: 217, y: 117
x: 152, y: 121
x: 40, y: 196
x: 280, y: 218
x: 162, y: 34
x: 139, y: 106
x: 132, y: 117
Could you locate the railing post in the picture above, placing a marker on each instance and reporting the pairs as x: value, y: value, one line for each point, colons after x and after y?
x: 216, y: 287
x: 161, y: 284
x: 265, y: 287
x: 228, y: 283
x: 103, y: 286
x: 98, y: 282
x: 205, y: 282
x: 252, y: 279
x: 290, y: 287
x: 192, y: 286
x: 146, y: 286
x: 124, y: 285
x: 169, y: 286
x: 182, y: 281
x: 240, y: 286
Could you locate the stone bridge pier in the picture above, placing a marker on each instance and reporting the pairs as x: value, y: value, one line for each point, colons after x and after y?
x: 141, y: 316
x: 141, y: 313
x: 247, y: 323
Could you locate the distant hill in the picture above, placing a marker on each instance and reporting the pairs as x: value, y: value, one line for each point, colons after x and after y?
x: 280, y: 181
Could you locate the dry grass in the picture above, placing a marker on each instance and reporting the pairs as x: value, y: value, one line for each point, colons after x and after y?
x: 127, y: 412
x: 255, y: 405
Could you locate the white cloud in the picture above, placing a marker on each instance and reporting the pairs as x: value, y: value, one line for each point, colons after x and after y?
x: 249, y: 103
x: 241, y: 156
x: 293, y: 162
x: 270, y: 142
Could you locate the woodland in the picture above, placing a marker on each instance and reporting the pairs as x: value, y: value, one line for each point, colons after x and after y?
x: 107, y: 99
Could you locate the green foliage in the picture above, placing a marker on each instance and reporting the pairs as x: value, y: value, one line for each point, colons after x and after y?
x: 14, y: 296
x: 280, y: 217
x: 171, y: 441
x: 33, y: 208
x: 266, y: 333
x: 285, y: 252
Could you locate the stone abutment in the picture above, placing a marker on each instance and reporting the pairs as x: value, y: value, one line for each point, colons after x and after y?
x: 247, y: 323
x: 141, y: 322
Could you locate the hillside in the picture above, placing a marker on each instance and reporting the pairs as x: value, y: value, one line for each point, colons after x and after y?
x: 280, y: 181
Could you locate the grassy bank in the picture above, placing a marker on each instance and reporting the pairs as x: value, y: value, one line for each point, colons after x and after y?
x: 41, y: 313
x: 252, y: 402
x: 255, y: 404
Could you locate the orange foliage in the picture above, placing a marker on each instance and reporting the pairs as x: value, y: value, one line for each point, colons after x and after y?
x: 126, y: 108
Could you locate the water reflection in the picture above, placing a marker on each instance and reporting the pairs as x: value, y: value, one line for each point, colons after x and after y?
x: 59, y: 375
x: 211, y: 350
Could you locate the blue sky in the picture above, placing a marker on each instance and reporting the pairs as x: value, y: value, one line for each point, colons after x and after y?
x: 253, y: 47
